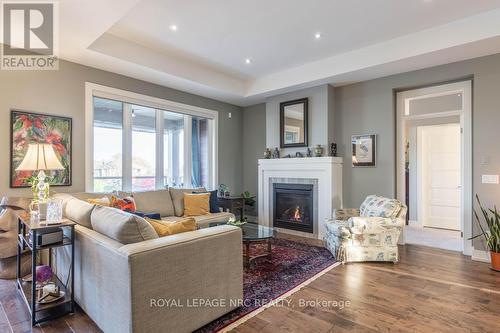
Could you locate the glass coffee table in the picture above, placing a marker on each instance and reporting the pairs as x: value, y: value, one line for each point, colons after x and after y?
x: 254, y: 233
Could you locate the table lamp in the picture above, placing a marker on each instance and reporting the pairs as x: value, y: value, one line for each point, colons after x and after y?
x: 40, y: 157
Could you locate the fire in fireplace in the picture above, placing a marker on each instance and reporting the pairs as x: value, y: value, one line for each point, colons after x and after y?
x: 293, y: 206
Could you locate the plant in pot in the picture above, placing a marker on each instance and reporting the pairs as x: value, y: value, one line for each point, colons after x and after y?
x: 492, y: 234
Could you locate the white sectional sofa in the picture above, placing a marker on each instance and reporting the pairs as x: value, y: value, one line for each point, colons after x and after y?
x: 129, y: 280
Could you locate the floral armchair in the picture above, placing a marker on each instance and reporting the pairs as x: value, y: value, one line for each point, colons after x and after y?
x: 369, y: 233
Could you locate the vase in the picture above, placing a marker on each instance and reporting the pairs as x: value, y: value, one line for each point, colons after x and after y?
x: 318, y: 151
x: 495, y: 261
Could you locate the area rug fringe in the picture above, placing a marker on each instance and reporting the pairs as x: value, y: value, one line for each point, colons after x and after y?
x: 277, y: 300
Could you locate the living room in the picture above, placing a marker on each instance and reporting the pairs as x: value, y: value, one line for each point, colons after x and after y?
x: 216, y: 167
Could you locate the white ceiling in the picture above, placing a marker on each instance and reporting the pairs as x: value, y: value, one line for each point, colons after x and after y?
x: 360, y: 39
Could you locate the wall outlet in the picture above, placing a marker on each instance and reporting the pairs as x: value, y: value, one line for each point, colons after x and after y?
x: 489, y: 179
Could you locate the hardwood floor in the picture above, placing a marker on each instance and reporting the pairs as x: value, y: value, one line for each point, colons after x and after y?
x: 430, y: 290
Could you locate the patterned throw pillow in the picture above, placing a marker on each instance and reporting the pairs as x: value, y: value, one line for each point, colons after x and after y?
x: 380, y: 207
x: 126, y: 204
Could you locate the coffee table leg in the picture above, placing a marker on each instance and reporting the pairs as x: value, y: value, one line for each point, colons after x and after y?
x: 269, y: 249
x: 247, y: 254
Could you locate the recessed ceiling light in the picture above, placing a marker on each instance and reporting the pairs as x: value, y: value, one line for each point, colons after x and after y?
x: 317, y: 35
x: 173, y: 27
x: 248, y: 61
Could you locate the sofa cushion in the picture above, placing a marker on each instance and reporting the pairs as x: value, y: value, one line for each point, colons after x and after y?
x: 163, y: 228
x: 75, y: 209
x: 379, y: 206
x: 205, y: 220
x: 196, y: 204
x: 154, y: 202
x: 177, y: 195
x: 121, y: 226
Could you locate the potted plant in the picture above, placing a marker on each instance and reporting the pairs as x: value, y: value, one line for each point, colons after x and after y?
x: 492, y: 236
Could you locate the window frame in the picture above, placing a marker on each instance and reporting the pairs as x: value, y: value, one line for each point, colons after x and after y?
x: 96, y: 90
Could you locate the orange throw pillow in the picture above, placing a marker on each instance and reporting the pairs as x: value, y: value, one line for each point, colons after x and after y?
x: 126, y: 204
x: 171, y: 228
x: 196, y: 204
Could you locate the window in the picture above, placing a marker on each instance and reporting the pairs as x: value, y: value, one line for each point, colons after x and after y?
x: 108, y: 126
x: 143, y: 148
x: 139, y: 143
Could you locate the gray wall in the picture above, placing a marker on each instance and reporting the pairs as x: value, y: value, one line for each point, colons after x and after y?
x: 254, y: 144
x: 368, y: 107
x: 62, y: 93
x: 320, y: 117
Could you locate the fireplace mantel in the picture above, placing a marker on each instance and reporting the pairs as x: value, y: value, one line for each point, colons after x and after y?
x: 326, y: 172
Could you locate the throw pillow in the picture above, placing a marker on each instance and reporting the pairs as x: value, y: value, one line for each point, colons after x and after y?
x: 104, y: 201
x: 214, y: 205
x: 172, y: 228
x: 154, y: 216
x: 196, y: 204
x: 126, y: 204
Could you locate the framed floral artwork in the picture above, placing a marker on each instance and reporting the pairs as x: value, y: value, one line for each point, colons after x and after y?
x: 363, y: 150
x: 28, y: 127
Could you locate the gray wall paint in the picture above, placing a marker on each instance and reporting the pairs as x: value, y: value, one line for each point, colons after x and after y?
x: 320, y: 117
x: 62, y: 93
x: 254, y: 144
x: 368, y: 107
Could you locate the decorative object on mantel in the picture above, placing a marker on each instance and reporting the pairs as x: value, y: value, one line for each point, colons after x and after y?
x: 333, y: 149
x: 318, y: 151
x: 298, y: 154
x: 267, y: 153
x: 276, y: 153
x: 363, y: 150
x: 293, y: 123
x: 287, y: 156
x: 492, y: 236
x: 309, y: 152
x: 33, y: 128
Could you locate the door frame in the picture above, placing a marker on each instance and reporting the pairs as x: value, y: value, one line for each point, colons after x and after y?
x: 403, y: 99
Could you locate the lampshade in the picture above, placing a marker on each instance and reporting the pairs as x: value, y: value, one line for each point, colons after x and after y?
x: 40, y: 156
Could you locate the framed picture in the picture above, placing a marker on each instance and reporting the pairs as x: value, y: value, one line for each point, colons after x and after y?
x: 363, y: 150
x: 28, y: 127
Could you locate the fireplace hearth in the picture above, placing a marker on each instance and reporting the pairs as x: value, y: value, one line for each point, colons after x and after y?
x: 293, y: 207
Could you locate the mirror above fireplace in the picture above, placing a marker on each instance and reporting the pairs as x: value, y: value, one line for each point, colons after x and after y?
x: 293, y: 123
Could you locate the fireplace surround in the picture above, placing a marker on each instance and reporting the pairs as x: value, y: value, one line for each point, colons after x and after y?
x: 324, y: 173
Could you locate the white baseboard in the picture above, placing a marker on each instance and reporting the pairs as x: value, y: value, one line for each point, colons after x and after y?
x: 415, y: 223
x: 479, y: 255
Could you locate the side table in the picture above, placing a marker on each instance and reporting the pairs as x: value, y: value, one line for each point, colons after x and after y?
x: 233, y: 204
x: 42, y: 312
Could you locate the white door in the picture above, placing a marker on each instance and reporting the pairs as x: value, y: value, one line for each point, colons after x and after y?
x: 439, y: 150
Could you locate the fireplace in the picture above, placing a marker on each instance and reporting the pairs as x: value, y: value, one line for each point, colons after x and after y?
x: 293, y: 207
